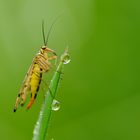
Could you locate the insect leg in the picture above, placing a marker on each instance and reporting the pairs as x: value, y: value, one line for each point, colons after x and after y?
x: 52, y: 57
x: 44, y: 65
x: 48, y: 88
x: 52, y: 51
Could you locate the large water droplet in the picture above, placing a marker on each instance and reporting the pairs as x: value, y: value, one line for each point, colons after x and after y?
x: 55, y: 105
x: 66, y: 58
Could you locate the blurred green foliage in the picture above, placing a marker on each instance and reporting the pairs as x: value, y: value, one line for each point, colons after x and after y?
x: 100, y: 92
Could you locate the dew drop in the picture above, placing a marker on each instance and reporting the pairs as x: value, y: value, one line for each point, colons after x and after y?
x: 66, y: 59
x: 55, y: 105
x: 37, y: 126
x: 35, y: 132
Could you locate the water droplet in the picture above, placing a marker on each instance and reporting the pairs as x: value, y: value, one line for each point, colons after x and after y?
x: 55, y: 105
x: 35, y: 132
x: 66, y: 58
x: 37, y: 126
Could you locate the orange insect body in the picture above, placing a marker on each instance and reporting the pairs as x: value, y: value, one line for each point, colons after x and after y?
x: 33, y: 77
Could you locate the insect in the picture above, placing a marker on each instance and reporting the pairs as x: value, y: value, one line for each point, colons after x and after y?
x: 40, y: 64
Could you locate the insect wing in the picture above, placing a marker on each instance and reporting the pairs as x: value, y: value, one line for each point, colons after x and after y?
x: 21, y: 98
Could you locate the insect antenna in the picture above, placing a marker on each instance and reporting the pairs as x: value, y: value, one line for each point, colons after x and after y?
x: 43, y: 33
x: 48, y: 34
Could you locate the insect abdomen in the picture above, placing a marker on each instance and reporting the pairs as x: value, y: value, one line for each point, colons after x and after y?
x: 34, y: 83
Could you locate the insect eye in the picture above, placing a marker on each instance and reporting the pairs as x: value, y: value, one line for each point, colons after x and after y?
x: 43, y: 47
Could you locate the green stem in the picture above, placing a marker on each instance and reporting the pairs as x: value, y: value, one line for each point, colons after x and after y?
x: 42, y: 124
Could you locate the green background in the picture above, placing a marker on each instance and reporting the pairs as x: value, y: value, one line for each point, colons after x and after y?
x: 99, y: 93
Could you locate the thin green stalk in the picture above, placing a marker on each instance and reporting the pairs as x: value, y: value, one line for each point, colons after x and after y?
x: 42, y: 124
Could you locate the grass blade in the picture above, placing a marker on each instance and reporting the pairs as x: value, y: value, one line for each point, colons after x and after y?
x: 42, y: 124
